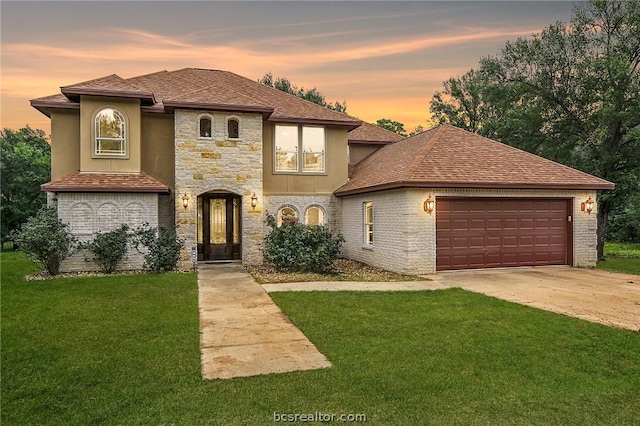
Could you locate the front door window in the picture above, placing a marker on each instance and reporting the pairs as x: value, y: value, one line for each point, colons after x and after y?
x: 219, y: 227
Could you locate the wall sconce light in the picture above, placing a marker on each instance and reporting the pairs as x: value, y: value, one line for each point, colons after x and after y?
x: 185, y: 201
x: 254, y: 201
x: 429, y: 204
x: 587, y: 206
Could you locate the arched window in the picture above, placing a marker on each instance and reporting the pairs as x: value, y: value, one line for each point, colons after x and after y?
x: 287, y: 213
x: 233, y: 128
x: 204, y: 127
x: 110, y: 133
x: 314, y: 216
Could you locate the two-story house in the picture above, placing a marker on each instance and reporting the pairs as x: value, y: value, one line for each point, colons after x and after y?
x: 213, y: 152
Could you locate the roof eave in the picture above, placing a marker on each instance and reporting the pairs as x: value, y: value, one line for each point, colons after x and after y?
x: 170, y: 106
x: 478, y: 185
x: 146, y: 98
x: 44, y: 106
x: 369, y: 142
x: 350, y: 124
x: 47, y: 187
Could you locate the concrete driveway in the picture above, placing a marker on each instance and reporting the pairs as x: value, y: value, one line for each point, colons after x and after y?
x: 599, y: 296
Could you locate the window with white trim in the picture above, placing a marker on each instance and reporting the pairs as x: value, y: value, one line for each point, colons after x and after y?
x: 368, y: 223
x: 110, y: 133
x: 286, y: 213
x: 291, y: 140
x: 314, y: 216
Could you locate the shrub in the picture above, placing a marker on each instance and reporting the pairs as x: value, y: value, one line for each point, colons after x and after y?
x: 45, y: 239
x: 302, y: 248
x: 162, y: 247
x: 108, y: 248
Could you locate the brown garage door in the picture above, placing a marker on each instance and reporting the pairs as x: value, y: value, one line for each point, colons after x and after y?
x: 489, y: 233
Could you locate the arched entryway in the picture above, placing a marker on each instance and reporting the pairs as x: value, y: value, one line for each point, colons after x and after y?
x: 219, y: 226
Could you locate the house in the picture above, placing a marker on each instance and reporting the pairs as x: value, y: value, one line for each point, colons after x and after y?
x: 214, y: 152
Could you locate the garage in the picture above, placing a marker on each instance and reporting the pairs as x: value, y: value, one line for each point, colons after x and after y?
x: 502, y: 232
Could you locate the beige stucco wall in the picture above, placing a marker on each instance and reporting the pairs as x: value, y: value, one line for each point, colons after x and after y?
x: 219, y: 164
x: 358, y: 152
x: 158, y: 151
x: 305, y: 183
x: 89, y: 107
x: 405, y: 235
x: 65, y: 142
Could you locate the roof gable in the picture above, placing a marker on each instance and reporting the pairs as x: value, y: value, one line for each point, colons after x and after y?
x: 447, y: 156
x: 372, y: 134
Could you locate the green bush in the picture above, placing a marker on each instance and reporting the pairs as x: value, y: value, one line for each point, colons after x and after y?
x: 108, y: 248
x: 45, y: 239
x: 161, y: 247
x: 293, y: 246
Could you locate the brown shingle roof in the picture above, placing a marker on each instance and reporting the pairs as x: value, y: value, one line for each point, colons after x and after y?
x: 372, y: 134
x: 204, y: 89
x: 105, y: 182
x: 111, y: 85
x: 446, y: 157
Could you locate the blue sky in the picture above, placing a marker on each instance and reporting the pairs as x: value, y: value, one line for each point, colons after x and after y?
x: 386, y: 59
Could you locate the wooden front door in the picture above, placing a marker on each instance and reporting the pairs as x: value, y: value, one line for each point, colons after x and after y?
x: 219, y: 235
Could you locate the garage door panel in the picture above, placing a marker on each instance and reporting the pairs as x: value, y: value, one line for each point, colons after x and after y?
x: 481, y: 233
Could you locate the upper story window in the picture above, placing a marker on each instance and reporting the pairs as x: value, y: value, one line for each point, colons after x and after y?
x: 233, y: 128
x: 290, y: 140
x: 110, y: 133
x: 204, y: 127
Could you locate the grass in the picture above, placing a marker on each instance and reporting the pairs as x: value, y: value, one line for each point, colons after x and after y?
x: 621, y: 257
x: 341, y: 270
x: 124, y: 350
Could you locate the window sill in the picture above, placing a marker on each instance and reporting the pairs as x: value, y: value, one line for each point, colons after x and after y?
x: 301, y: 173
x: 95, y: 156
x: 370, y: 248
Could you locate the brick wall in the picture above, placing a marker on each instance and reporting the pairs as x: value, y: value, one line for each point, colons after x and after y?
x: 404, y: 235
x: 328, y: 203
x: 87, y: 213
x: 219, y: 164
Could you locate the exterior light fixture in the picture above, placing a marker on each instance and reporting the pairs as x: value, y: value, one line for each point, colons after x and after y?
x: 429, y: 204
x: 254, y: 201
x: 185, y: 201
x: 587, y: 206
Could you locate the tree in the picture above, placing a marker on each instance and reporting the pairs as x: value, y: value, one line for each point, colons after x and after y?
x: 569, y: 94
x: 45, y: 239
x: 461, y: 102
x: 312, y: 95
x: 391, y: 125
x: 25, y: 164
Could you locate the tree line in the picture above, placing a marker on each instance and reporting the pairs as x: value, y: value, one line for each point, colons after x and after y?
x: 569, y: 94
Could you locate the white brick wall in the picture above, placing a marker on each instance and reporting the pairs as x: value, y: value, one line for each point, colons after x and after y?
x: 404, y: 235
x: 87, y: 213
x: 301, y: 203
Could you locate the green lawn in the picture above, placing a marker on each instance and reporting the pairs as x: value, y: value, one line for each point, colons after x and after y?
x: 124, y: 350
x: 621, y: 257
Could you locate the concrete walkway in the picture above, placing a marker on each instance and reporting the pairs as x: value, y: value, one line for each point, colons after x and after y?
x: 355, y: 286
x: 243, y: 333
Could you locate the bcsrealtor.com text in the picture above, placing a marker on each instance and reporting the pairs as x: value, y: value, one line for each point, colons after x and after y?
x: 318, y: 417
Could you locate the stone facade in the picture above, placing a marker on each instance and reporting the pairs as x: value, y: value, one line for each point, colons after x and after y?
x: 88, y: 213
x: 218, y: 163
x: 405, y: 236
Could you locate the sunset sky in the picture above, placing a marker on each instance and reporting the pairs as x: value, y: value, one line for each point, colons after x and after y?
x: 386, y: 59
